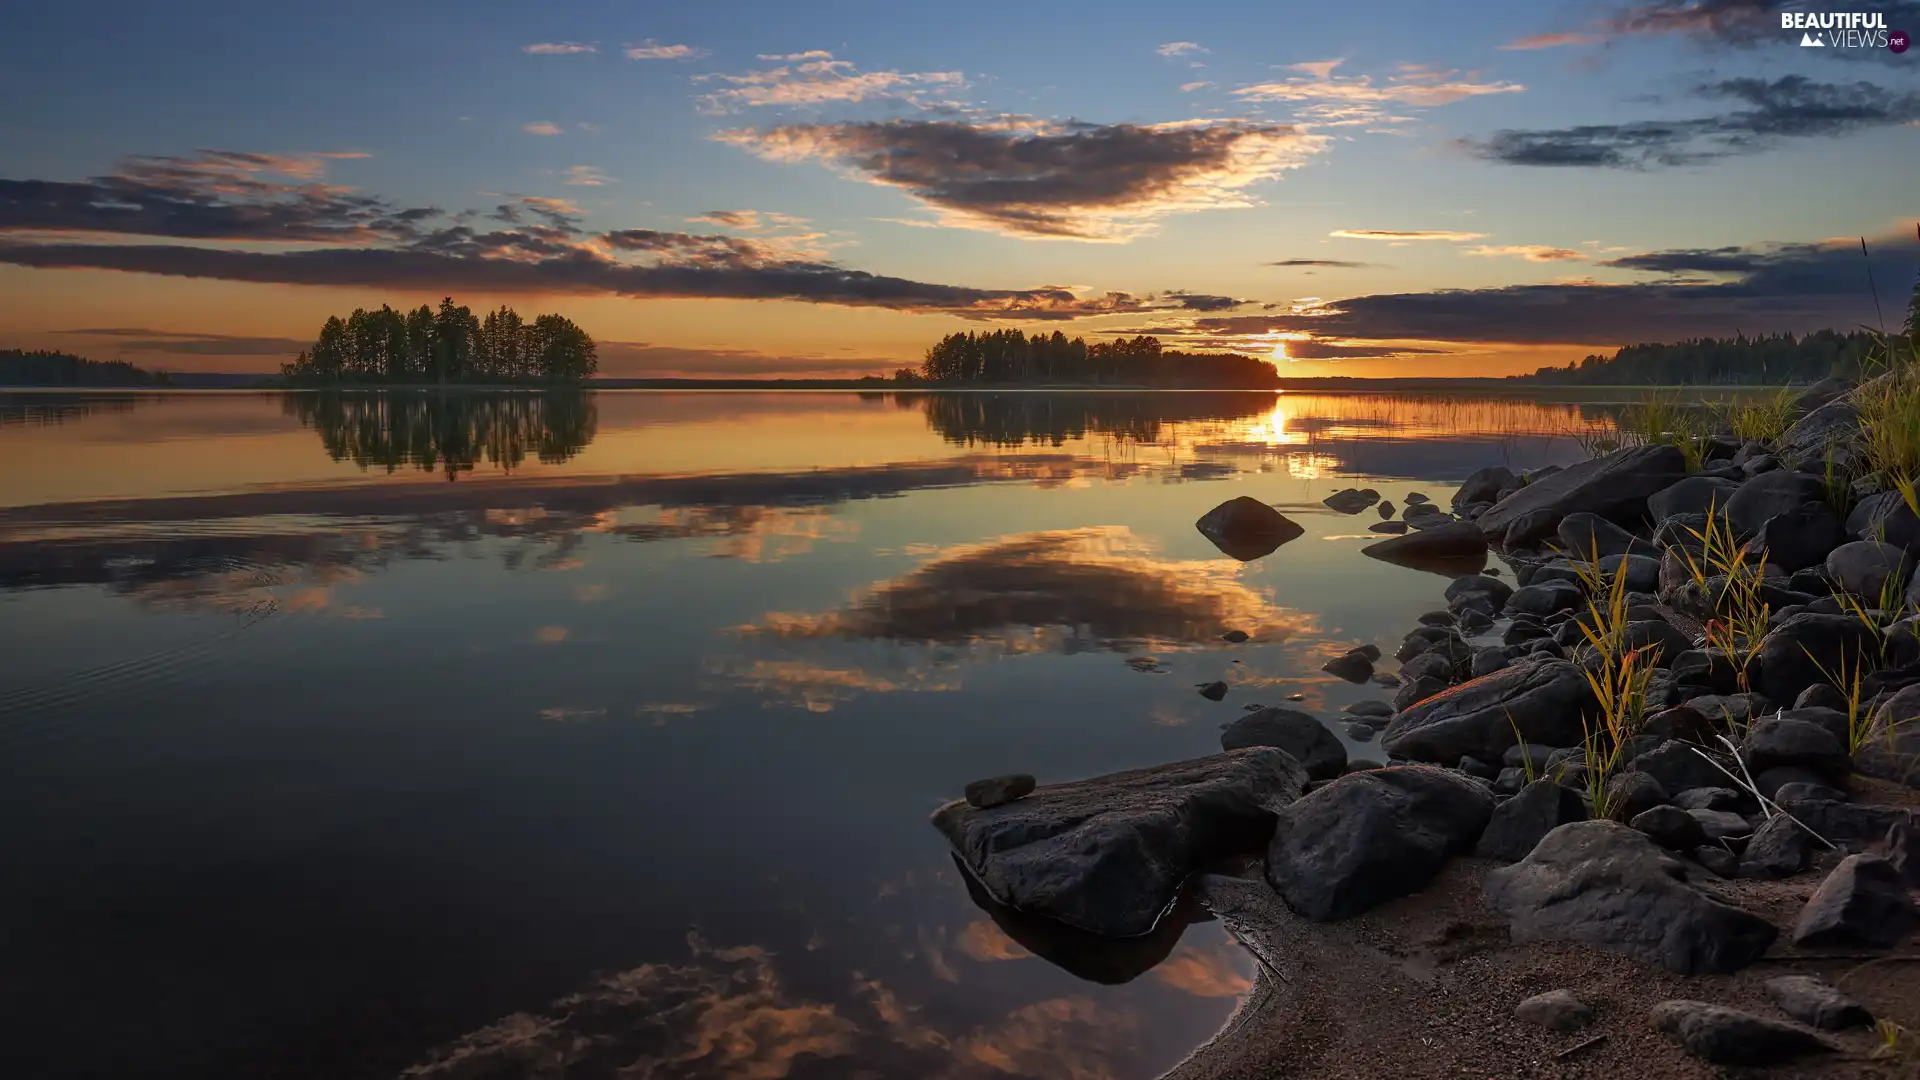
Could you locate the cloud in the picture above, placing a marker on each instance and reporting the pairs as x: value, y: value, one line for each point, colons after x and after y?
x: 749, y: 220
x: 1404, y: 235
x: 541, y: 127
x: 653, y: 50
x: 586, y: 176
x: 1551, y: 41
x: 816, y: 78
x: 1036, y: 179
x: 1788, y: 107
x: 1529, y: 252
x: 356, y: 240
x: 1203, y: 302
x: 1358, y: 99
x: 179, y: 343
x: 1182, y: 48
x: 798, y: 57
x: 1331, y: 264
x: 559, y: 48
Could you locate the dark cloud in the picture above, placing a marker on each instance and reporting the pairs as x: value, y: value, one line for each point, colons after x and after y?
x: 1789, y: 107
x: 143, y: 340
x: 360, y: 241
x: 1204, y: 302
x: 1331, y: 264
x: 1071, y: 180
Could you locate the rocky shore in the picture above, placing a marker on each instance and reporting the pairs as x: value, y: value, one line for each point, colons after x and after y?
x: 1648, y: 796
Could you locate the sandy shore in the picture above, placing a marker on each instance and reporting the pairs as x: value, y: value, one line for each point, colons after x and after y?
x: 1426, y: 986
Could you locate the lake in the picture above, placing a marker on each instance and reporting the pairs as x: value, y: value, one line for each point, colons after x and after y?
x: 508, y: 735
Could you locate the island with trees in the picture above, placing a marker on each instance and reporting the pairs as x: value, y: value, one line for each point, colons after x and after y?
x: 42, y: 367
x: 450, y: 346
x: 1010, y: 358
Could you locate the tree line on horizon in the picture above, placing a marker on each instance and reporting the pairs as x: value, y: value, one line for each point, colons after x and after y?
x: 45, y: 367
x: 447, y: 345
x: 1010, y: 357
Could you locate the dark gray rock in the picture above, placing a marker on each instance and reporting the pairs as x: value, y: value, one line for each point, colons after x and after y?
x: 1456, y: 547
x: 1555, y: 1010
x: 1657, y: 634
x: 1418, y: 497
x: 1614, y: 486
x: 999, y: 790
x: 1213, y: 691
x: 1681, y: 531
x: 1869, y: 569
x: 1528, y: 756
x: 1677, y: 767
x: 1108, y: 854
x: 1772, y: 782
x: 1721, y: 862
x: 1369, y: 837
x: 1480, y: 585
x: 1670, y: 827
x: 1724, y: 1036
x: 1796, y: 539
x: 1392, y: 527
x: 1590, y: 537
x: 1817, y: 1003
x: 1846, y: 823
x: 1726, y: 710
x: 1540, y: 698
x: 1485, y: 485
x: 1544, y: 598
x: 1299, y: 734
x: 1693, y: 495
x: 1413, y: 693
x: 1630, y: 794
x: 1862, y: 902
x: 1353, y: 666
x: 1792, y: 654
x: 1603, y: 884
x: 1519, y: 823
x: 1642, y: 571
x: 1359, y: 731
x: 1769, y: 495
x: 1831, y: 430
x: 1830, y: 720
x: 1779, y: 848
x: 1801, y: 791
x: 1370, y: 708
x: 1710, y: 798
x: 1473, y: 766
x: 1887, y: 518
x: 1487, y: 661
x: 1721, y: 825
x: 1235, y: 637
x: 1351, y: 501
x: 1799, y: 743
x: 1246, y: 528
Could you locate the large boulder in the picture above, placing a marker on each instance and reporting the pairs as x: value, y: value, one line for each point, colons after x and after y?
x: 1801, y: 743
x: 1798, y: 538
x: 1678, y: 767
x: 1885, y: 517
x: 1769, y: 495
x: 1863, y: 902
x: 1590, y: 537
x: 1830, y: 431
x: 1726, y: 1036
x: 1519, y: 823
x: 1108, y: 854
x: 1870, y: 570
x: 1371, y: 836
x: 1603, y: 884
x: 1452, y: 548
x: 1543, y: 598
x: 1642, y: 571
x: 1693, y: 495
x: 1484, y: 485
x: 1246, y: 528
x: 1299, y: 734
x: 1615, y: 487
x: 1804, y: 648
x: 1539, y: 699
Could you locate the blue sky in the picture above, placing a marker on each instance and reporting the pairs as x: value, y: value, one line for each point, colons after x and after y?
x: 825, y: 188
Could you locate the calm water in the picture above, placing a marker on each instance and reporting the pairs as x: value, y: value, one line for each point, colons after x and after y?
x: 360, y: 736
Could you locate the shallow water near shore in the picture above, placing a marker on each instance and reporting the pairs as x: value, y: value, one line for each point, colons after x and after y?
x: 368, y: 734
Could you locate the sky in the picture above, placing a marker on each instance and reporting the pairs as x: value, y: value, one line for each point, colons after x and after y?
x: 775, y: 189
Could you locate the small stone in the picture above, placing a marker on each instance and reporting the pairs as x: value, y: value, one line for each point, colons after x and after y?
x: 999, y: 790
x: 1632, y: 793
x: 1235, y: 636
x: 1352, y: 666
x: 1726, y: 1036
x: 1213, y: 691
x: 1556, y: 1010
x: 1370, y: 708
x: 1721, y: 824
x: 1709, y: 798
x: 1719, y: 860
x: 1817, y: 1003
x: 1779, y: 848
x: 1360, y: 732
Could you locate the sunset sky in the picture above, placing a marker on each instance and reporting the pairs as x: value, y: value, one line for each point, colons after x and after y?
x: 1390, y: 188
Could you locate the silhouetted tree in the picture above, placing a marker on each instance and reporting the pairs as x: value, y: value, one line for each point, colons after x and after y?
x: 448, y: 345
x: 1009, y: 356
x: 40, y: 367
x: 1768, y: 360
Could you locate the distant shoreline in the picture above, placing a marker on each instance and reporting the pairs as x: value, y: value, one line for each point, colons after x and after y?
x: 1329, y: 385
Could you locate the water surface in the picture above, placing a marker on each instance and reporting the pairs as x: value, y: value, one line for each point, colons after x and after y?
x: 459, y: 736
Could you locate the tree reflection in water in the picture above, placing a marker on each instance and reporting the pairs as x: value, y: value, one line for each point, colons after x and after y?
x: 450, y: 432
x: 1014, y: 419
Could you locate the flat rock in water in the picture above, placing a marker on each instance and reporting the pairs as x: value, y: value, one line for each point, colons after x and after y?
x: 1521, y: 822
x: 1372, y: 836
x: 1602, y: 884
x: 1235, y: 636
x: 1393, y: 527
x: 1817, y: 1003
x: 999, y: 790
x: 1370, y: 708
x: 1863, y: 902
x: 1213, y: 691
x: 1556, y: 1010
x: 1726, y: 1036
x: 1353, y: 666
x: 1451, y: 548
x: 1486, y: 485
x: 1352, y: 501
x: 1537, y: 699
x: 1614, y: 486
x: 1246, y: 528
x: 1108, y: 854
x: 1300, y: 734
